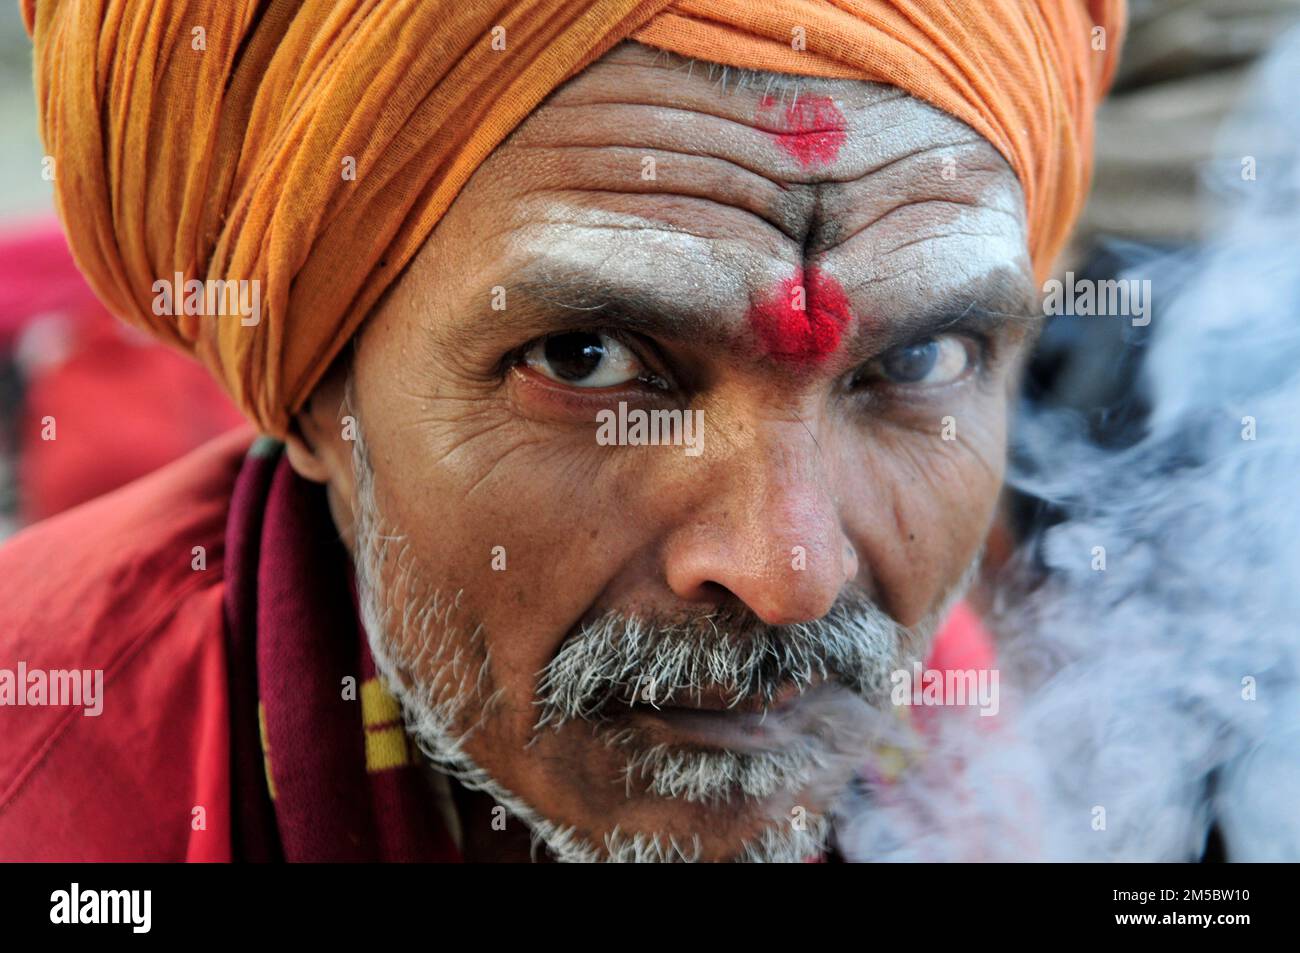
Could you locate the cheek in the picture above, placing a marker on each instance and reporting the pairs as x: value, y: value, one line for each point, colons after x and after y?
x: 927, y: 505
x: 490, y: 510
x: 525, y: 518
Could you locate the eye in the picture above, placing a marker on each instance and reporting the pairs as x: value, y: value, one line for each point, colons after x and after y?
x: 584, y: 359
x: 933, y: 362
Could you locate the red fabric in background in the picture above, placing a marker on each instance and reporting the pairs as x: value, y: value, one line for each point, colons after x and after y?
x: 962, y: 644
x: 38, y: 276
x: 121, y: 404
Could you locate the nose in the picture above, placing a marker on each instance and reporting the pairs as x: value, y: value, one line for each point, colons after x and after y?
x: 769, y: 533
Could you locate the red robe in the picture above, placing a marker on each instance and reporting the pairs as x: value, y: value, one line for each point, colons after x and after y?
x: 109, y: 585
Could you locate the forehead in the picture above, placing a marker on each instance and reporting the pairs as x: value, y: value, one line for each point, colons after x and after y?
x: 663, y: 177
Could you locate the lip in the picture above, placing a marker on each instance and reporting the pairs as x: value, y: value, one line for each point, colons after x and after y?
x: 733, y: 730
x: 718, y: 700
x: 709, y: 720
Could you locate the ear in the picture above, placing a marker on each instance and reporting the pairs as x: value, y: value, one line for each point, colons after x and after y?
x: 304, y: 457
x: 314, y: 445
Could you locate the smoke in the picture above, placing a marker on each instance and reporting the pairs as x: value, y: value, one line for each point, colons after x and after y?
x: 1150, y: 700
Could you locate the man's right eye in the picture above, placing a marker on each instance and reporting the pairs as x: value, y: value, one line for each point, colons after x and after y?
x: 588, y: 359
x: 934, y: 362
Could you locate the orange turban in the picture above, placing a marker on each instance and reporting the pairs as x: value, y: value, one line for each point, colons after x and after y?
x: 209, y: 137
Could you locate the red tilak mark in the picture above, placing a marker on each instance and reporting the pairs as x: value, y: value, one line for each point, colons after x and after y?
x: 802, y: 320
x: 811, y: 129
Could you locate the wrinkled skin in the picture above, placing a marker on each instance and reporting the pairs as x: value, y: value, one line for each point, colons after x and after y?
x: 915, y: 217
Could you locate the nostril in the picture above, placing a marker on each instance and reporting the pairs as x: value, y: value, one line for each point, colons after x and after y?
x: 712, y: 593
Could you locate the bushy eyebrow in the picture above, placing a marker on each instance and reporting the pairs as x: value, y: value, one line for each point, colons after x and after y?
x: 573, y: 301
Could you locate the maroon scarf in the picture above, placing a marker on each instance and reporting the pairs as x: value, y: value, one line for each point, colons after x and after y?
x: 345, y: 783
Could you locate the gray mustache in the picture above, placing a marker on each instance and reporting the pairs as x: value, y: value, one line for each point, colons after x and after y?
x: 619, y: 658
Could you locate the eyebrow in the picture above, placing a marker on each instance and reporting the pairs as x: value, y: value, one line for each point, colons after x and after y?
x: 1002, y: 299
x: 574, y: 301
x: 581, y: 302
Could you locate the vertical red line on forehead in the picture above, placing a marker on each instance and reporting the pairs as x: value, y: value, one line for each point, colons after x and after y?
x: 801, y: 320
x: 811, y: 129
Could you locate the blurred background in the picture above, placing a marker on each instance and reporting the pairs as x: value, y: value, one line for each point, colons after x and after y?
x: 1186, y: 66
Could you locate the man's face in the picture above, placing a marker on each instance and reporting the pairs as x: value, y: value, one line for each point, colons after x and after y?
x: 839, y: 285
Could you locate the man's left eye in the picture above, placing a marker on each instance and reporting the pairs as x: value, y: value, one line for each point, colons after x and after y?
x: 930, y: 363
x: 584, y: 359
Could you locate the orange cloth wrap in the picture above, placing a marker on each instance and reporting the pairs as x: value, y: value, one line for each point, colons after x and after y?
x: 226, y: 162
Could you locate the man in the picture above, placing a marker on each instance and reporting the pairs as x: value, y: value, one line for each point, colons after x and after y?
x: 674, y: 427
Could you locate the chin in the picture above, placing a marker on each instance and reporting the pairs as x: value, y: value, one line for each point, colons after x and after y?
x: 586, y: 805
x: 692, y: 833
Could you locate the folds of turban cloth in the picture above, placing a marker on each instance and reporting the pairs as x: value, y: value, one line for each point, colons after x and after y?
x: 209, y: 137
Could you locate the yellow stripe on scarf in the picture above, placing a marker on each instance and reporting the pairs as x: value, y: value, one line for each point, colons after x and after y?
x: 266, y: 748
x: 386, y: 742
